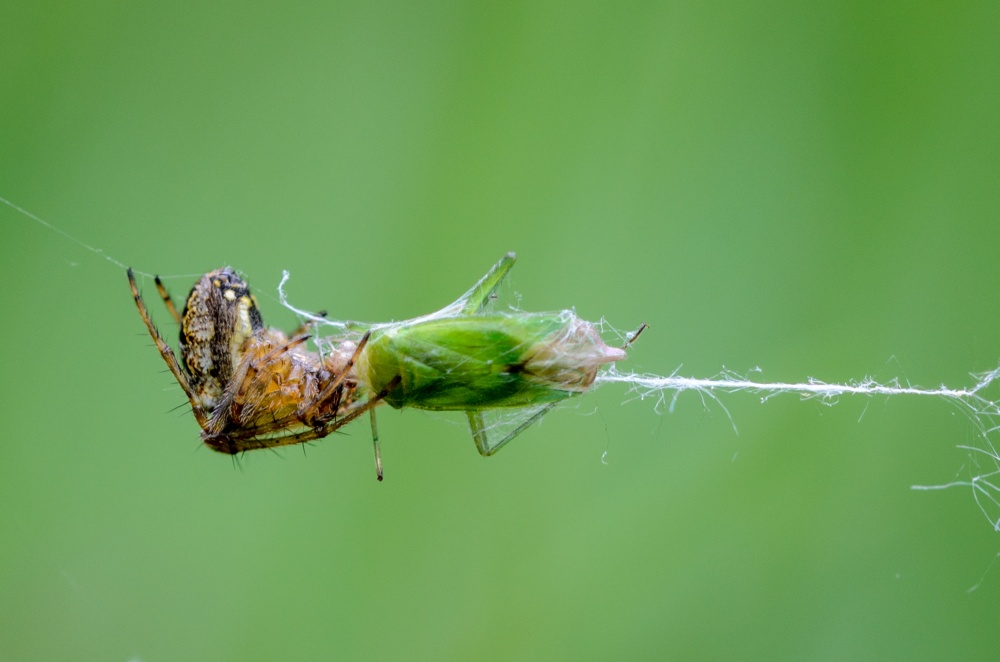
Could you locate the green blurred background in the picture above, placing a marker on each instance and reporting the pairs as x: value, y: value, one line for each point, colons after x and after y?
x: 811, y: 189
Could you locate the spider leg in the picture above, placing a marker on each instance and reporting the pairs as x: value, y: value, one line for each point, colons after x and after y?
x: 281, y: 349
x: 216, y: 429
x: 166, y: 352
x: 238, y: 421
x: 339, y: 379
x: 375, y: 444
x: 167, y: 301
x: 307, y: 326
x: 245, y: 440
x: 225, y: 422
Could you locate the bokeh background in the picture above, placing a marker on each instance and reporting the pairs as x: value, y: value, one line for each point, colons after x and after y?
x: 809, y: 189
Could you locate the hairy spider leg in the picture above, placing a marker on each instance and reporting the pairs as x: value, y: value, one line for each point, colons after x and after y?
x: 330, y: 427
x: 167, y: 300
x: 339, y: 380
x: 307, y: 326
x: 376, y: 445
x: 347, y: 368
x: 218, y: 437
x: 168, y: 354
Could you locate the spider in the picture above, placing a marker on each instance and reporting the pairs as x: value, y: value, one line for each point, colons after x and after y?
x: 251, y: 386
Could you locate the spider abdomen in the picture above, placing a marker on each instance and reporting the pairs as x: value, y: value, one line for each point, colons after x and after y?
x: 220, y: 315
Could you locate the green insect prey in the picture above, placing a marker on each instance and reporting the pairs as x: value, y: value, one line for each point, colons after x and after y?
x: 464, y: 359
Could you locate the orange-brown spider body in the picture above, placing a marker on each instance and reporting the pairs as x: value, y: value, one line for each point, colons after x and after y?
x: 250, y: 386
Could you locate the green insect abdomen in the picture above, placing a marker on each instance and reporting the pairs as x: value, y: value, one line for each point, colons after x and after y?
x: 479, y: 362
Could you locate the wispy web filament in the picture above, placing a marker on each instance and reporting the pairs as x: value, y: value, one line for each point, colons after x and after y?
x: 984, y: 464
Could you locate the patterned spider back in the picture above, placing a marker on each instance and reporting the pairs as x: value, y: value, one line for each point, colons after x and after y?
x: 220, y: 315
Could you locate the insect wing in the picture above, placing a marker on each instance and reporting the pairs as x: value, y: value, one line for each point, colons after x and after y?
x: 493, y: 428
